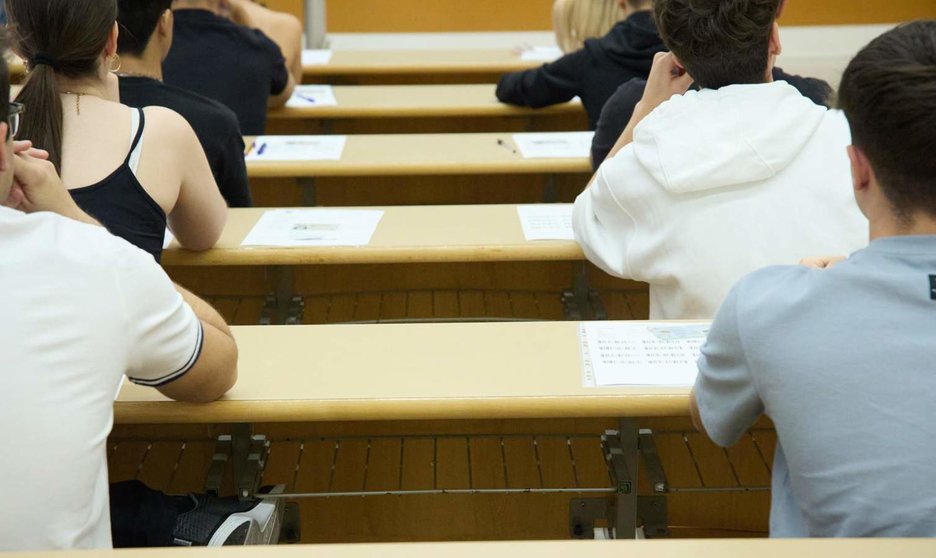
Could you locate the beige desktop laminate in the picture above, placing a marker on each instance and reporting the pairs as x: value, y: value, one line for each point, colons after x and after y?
x: 420, y: 155
x: 418, y: 101
x: 381, y: 372
x: 406, y: 234
x: 416, y: 62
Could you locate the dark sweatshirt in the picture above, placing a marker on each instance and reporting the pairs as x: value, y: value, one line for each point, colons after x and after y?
x: 592, y: 73
x: 619, y: 108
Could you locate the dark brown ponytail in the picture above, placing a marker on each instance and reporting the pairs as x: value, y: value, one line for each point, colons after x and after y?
x: 57, y: 38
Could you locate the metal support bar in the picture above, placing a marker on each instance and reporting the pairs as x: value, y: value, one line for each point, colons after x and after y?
x: 248, y: 457
x: 624, y: 455
x: 309, y: 194
x: 284, y: 306
x: 581, y: 301
x: 550, y: 189
x: 315, y: 24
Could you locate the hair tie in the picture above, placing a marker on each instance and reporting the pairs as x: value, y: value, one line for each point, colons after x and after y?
x: 44, y: 60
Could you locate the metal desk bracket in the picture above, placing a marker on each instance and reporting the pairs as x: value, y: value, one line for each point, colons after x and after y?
x: 284, y: 307
x: 309, y: 193
x: 622, y: 515
x: 550, y: 189
x: 246, y: 453
x: 581, y: 301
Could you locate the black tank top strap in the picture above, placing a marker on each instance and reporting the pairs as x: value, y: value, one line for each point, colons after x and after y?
x: 140, y: 121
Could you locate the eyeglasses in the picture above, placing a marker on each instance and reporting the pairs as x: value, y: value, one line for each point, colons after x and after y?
x: 13, y: 119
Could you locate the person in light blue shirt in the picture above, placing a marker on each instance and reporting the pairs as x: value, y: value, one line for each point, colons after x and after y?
x: 843, y: 358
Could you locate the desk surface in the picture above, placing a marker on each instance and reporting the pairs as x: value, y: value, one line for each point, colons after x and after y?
x: 526, y: 370
x: 413, y: 101
x: 409, y: 62
x: 406, y: 234
x: 699, y: 548
x: 420, y: 155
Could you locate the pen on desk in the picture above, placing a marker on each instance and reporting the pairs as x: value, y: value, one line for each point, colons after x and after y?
x: 307, y: 98
x: 262, y: 148
x: 251, y: 148
x: 506, y: 145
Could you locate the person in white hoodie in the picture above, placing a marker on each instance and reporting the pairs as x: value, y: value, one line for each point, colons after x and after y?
x: 706, y: 186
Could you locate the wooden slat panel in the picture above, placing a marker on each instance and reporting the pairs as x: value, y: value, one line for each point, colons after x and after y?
x: 497, y: 304
x: 193, y: 468
x: 556, y: 459
x: 522, y: 470
x: 472, y: 304
x: 418, y: 464
x: 249, y: 310
x: 160, y: 465
x: 677, y: 461
x: 350, y: 466
x: 487, y: 466
x: 367, y: 307
x: 341, y: 309
x: 766, y: 441
x: 316, y: 309
x: 591, y: 470
x: 315, y: 466
x: 747, y: 462
x: 419, y: 305
x: 713, y: 463
x: 383, y: 464
x: 452, y: 463
x: 282, y: 464
x: 445, y: 304
x: 393, y: 306
x: 524, y: 305
x: 126, y: 461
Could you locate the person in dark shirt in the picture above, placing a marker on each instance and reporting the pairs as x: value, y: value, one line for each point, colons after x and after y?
x: 619, y: 108
x: 240, y: 67
x: 145, y: 38
x: 594, y: 72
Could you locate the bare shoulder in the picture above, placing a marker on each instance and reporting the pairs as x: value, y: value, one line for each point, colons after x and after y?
x: 166, y: 125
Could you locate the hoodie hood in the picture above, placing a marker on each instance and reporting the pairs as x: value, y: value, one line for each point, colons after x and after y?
x: 630, y: 43
x: 711, y: 139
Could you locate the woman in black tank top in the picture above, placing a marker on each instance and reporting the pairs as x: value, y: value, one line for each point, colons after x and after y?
x: 70, y: 93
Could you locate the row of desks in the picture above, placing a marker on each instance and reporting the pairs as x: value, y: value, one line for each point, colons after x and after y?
x: 421, y: 155
x: 406, y: 234
x: 864, y: 548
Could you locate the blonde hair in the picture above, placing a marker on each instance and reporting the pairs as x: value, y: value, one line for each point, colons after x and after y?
x: 577, y: 20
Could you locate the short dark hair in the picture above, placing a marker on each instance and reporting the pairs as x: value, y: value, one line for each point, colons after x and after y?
x: 138, y: 20
x: 888, y: 93
x: 719, y: 42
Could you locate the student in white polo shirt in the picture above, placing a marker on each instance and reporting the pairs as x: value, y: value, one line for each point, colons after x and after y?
x: 706, y: 186
x: 80, y: 310
x: 842, y: 359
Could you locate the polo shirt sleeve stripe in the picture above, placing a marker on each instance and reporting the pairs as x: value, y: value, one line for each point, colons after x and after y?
x: 181, y: 371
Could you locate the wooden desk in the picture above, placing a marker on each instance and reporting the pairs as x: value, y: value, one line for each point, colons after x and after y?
x: 841, y: 548
x: 417, y: 101
x: 425, y: 109
x: 407, y: 372
x: 415, y: 66
x: 406, y: 234
x: 420, y: 155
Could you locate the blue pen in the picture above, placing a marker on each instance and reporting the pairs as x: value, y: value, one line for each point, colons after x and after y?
x: 262, y: 148
x: 310, y: 99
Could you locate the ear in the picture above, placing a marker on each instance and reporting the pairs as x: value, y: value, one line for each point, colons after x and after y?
x: 164, y: 26
x: 110, y: 48
x: 774, y: 47
x: 862, y: 173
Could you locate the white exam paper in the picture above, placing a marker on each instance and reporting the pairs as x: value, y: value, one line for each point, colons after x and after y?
x: 305, y: 96
x: 314, y: 227
x: 640, y: 353
x: 554, y: 145
x: 541, y: 54
x: 551, y: 221
x: 316, y: 57
x: 297, y: 148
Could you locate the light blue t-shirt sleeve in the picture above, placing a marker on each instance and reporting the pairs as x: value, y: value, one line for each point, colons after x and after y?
x: 725, y: 389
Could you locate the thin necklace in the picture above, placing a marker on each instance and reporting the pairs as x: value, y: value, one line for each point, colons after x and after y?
x: 77, y: 100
